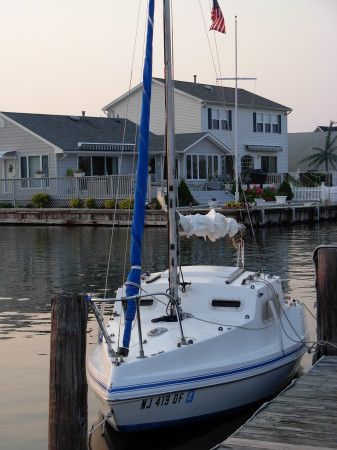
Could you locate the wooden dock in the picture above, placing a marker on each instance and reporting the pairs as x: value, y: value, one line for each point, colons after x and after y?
x: 302, y: 417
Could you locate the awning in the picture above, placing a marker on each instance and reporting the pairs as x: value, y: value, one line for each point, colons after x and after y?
x: 8, y: 154
x: 105, y: 147
x: 264, y: 148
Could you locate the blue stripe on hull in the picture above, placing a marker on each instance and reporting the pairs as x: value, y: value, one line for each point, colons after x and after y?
x: 208, y: 377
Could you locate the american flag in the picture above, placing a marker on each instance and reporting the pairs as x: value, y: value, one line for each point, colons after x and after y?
x: 218, y: 21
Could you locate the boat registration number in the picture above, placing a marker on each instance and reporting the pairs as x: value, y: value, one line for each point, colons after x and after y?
x: 166, y: 400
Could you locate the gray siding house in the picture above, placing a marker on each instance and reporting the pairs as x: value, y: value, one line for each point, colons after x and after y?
x: 261, y: 128
x: 35, y: 145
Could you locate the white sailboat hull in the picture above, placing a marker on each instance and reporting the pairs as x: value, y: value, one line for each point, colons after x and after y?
x: 178, y: 407
x: 235, y: 356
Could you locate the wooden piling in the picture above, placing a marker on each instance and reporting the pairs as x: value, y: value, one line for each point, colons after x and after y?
x: 325, y: 261
x: 68, y: 388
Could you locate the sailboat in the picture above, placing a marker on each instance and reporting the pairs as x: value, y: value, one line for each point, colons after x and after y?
x: 193, y: 342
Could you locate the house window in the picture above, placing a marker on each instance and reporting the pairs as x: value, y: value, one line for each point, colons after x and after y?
x: 259, y: 122
x: 201, y: 167
x: 98, y: 165
x: 269, y: 164
x: 219, y: 119
x: 212, y: 166
x: 215, y: 119
x: 268, y: 123
x: 247, y: 162
x: 30, y: 164
x: 176, y: 170
x: 276, y: 123
x: 228, y: 166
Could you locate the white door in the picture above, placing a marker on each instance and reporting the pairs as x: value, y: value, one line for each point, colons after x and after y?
x: 9, y: 168
x: 9, y: 172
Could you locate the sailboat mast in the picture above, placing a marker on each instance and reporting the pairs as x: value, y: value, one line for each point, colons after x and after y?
x: 170, y: 155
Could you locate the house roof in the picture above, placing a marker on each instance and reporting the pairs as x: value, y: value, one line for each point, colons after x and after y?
x: 213, y: 94
x: 323, y: 128
x: 220, y: 94
x: 66, y: 132
x: 183, y: 141
x: 97, y: 134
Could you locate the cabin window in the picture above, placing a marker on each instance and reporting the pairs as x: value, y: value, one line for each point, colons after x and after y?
x: 221, y: 303
x: 146, y: 302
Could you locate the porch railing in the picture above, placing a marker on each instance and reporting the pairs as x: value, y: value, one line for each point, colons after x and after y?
x: 62, y: 189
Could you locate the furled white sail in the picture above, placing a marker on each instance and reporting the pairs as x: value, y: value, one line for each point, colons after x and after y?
x: 212, y: 225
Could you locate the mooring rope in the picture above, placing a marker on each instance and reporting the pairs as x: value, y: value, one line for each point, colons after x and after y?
x: 106, y: 417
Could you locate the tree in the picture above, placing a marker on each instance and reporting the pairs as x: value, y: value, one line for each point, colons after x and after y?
x: 184, y: 194
x: 325, y: 155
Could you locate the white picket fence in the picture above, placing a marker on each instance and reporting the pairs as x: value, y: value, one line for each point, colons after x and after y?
x: 315, y: 194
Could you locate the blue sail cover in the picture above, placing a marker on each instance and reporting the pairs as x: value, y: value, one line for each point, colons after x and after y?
x: 141, y: 187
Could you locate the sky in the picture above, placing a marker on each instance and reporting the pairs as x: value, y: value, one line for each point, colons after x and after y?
x: 69, y: 56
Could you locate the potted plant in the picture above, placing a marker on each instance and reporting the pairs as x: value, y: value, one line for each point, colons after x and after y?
x: 39, y: 173
x: 213, y: 203
x: 79, y: 173
x: 281, y: 198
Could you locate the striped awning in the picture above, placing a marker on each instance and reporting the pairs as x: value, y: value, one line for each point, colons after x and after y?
x: 8, y: 154
x: 105, y: 147
x: 264, y: 148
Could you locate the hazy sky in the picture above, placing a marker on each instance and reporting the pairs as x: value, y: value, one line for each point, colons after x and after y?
x: 65, y: 56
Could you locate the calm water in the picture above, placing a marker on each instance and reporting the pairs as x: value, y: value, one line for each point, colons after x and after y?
x: 37, y: 262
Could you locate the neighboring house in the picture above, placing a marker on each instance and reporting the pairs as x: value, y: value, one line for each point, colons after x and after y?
x: 324, y: 129
x: 30, y: 143
x: 52, y: 144
x: 302, y: 145
x: 199, y: 108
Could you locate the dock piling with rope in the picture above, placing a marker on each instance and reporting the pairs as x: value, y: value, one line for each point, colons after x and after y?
x: 304, y: 415
x: 325, y: 261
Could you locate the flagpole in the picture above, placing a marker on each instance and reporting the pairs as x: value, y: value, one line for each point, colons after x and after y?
x: 236, y: 78
x: 236, y: 198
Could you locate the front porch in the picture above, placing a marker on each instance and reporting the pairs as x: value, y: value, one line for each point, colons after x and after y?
x: 18, y: 192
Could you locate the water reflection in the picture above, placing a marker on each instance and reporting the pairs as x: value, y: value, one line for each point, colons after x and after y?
x: 38, y: 262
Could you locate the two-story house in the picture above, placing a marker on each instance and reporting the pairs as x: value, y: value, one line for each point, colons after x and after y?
x: 208, y: 109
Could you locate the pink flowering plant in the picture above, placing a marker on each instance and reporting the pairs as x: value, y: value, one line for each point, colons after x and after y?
x: 268, y: 193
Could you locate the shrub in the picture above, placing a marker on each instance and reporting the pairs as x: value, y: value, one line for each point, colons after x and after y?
x: 269, y: 194
x: 285, y: 189
x: 184, y: 194
x: 90, y: 203
x: 154, y: 204
x: 40, y: 200
x: 127, y: 203
x: 234, y: 188
x: 109, y: 204
x: 75, y: 203
x: 6, y: 205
